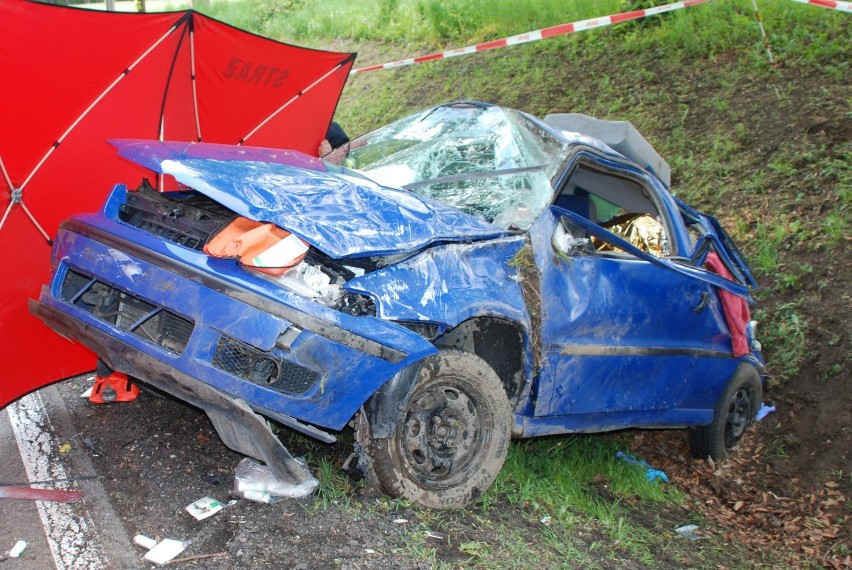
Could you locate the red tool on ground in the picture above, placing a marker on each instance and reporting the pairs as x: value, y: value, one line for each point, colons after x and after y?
x: 34, y: 494
x: 114, y: 387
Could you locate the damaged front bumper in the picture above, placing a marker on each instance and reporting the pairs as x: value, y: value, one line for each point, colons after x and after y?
x: 239, y: 427
x: 218, y: 337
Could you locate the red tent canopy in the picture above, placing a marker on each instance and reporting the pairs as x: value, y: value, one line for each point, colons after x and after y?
x: 72, y: 78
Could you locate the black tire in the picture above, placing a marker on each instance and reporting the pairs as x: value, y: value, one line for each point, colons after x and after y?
x: 734, y: 412
x: 451, y: 436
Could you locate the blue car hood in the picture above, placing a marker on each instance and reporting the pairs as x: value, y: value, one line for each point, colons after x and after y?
x: 336, y: 210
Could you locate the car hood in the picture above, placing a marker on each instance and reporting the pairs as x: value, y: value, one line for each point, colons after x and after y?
x: 336, y: 210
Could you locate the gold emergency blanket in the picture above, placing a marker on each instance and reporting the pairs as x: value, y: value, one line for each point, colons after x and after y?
x: 641, y: 230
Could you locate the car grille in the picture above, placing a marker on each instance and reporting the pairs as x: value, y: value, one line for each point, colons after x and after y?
x: 186, y: 218
x: 163, y: 231
x: 149, y: 322
x: 262, y: 368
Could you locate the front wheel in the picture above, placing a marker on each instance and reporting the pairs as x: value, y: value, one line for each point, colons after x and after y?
x: 734, y: 412
x: 450, y: 439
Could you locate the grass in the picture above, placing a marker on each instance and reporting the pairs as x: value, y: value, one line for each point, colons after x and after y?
x: 572, y: 479
x: 702, y: 30
x: 335, y: 487
x: 698, y: 85
x: 573, y: 493
x: 783, y: 330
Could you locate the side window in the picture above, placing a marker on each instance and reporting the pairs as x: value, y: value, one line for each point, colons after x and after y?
x: 617, y: 203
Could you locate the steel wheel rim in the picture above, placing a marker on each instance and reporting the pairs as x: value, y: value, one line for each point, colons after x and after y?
x: 739, y: 416
x: 444, y: 434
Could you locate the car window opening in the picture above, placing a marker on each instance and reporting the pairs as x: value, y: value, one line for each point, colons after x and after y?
x: 618, y: 204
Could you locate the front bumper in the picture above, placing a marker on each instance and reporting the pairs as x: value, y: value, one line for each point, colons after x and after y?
x: 233, y: 322
x: 239, y: 427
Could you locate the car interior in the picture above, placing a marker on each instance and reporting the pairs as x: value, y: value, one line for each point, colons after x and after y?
x: 617, y: 203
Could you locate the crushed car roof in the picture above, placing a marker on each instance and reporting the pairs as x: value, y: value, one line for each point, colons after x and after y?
x: 620, y: 136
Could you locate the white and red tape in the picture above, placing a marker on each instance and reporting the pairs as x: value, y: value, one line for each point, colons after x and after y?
x: 541, y: 34
x: 831, y: 4
x: 564, y: 29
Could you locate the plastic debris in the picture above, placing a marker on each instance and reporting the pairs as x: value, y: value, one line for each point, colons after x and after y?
x: 18, y: 549
x: 165, y: 550
x: 651, y: 473
x: 88, y: 442
x: 546, y: 520
x: 145, y: 541
x: 256, y: 482
x: 160, y: 552
x: 688, y: 531
x: 763, y: 411
x: 654, y: 474
x: 204, y: 507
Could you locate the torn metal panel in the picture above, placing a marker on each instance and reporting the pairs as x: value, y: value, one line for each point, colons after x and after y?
x: 450, y: 284
x: 241, y: 428
x: 342, y: 214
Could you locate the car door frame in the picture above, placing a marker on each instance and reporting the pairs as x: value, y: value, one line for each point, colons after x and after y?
x: 690, y: 409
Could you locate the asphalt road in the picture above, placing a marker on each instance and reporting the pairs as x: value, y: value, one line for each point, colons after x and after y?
x: 86, y: 534
x: 144, y: 462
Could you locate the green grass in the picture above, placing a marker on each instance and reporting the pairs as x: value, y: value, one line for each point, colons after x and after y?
x: 572, y: 479
x: 335, y: 488
x: 701, y: 30
x: 747, y: 140
x: 784, y: 333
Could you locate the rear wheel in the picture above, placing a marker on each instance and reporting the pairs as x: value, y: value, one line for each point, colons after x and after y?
x: 450, y: 438
x: 734, y: 412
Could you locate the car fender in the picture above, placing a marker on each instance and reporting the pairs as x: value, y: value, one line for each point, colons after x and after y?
x: 449, y: 284
x: 383, y: 406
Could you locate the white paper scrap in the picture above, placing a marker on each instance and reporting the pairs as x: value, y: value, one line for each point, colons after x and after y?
x: 165, y: 550
x: 204, y: 507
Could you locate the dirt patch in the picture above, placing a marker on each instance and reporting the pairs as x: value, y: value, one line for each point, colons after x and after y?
x: 788, y: 484
x: 786, y: 487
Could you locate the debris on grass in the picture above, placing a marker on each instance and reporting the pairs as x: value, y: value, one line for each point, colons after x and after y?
x: 763, y: 411
x: 690, y: 531
x: 651, y: 473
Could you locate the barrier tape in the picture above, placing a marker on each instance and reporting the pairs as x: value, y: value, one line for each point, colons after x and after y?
x: 766, y: 43
x: 545, y: 33
x: 830, y: 4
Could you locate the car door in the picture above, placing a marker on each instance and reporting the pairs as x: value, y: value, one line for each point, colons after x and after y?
x: 624, y: 327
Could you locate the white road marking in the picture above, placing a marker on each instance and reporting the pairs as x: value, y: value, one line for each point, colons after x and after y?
x: 70, y: 536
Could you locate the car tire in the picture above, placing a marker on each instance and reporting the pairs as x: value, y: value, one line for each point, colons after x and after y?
x: 450, y: 438
x: 734, y: 412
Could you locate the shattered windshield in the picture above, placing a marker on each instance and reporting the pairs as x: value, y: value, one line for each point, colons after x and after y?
x: 487, y: 161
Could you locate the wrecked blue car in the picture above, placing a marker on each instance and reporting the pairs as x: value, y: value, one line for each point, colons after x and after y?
x: 468, y: 275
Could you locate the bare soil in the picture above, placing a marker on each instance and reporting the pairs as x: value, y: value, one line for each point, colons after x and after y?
x: 789, y: 482
x: 785, y: 490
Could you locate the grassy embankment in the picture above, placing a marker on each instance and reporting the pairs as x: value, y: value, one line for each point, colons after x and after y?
x: 764, y: 146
